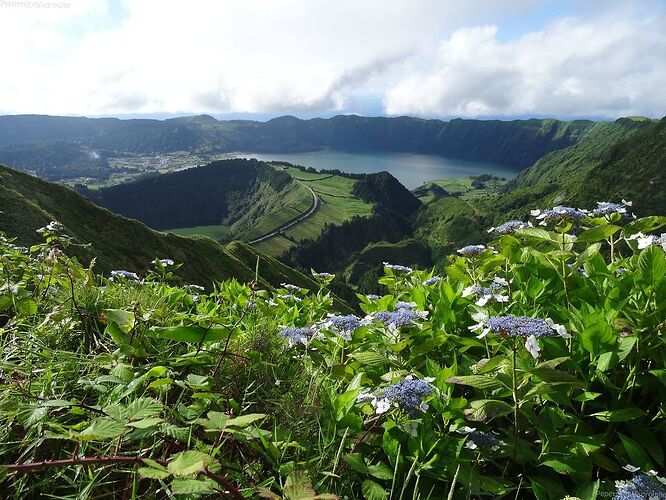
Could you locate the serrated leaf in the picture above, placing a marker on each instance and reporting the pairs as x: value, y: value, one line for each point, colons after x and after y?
x: 141, y: 408
x: 188, y: 462
x: 598, y: 337
x: 298, y: 486
x: 483, y: 409
x: 373, y: 491
x: 369, y: 358
x: 598, y: 233
x: 652, y: 264
x: 244, y: 420
x: 476, y: 381
x: 103, y: 428
x: 622, y: 415
x: 146, y: 423
x: 381, y: 471
x: 152, y: 473
x: 200, y: 486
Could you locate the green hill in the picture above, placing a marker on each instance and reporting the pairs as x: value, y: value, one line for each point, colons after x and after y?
x: 28, y: 203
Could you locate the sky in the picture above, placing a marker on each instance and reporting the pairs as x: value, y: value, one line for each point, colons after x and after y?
x: 265, y: 58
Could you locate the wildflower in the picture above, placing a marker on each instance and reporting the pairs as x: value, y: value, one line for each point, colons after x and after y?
x: 405, y: 305
x: 559, y: 214
x: 509, y: 227
x: 195, y: 287
x: 291, y: 288
x: 402, y: 316
x: 645, y: 241
x: 372, y: 296
x: 471, y: 250
x: 51, y: 227
x: 432, y: 281
x: 484, y: 294
x: 324, y: 276
x: 398, y: 268
x: 127, y: 275
x: 296, y: 335
x: 606, y: 208
x: 479, y: 439
x: 163, y: 262
x: 54, y: 254
x: 408, y: 395
x: 343, y: 325
x: 640, y: 487
x: 520, y: 326
x: 289, y: 296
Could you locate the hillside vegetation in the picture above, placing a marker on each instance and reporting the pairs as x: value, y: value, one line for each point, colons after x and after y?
x: 113, y: 242
x: 530, y: 368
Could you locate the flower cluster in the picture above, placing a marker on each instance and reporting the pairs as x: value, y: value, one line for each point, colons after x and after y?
x: 520, y: 326
x: 509, y: 227
x: 51, y: 227
x: 641, y: 486
x: 479, y: 439
x: 295, y: 335
x: 404, y: 314
x: 484, y: 294
x: 471, y: 250
x: 607, y: 208
x: 163, y: 262
x: 559, y: 214
x: 432, y: 281
x: 343, y: 325
x: 645, y: 241
x: 291, y: 288
x: 396, y: 268
x: 323, y: 276
x: 122, y: 274
x: 407, y: 394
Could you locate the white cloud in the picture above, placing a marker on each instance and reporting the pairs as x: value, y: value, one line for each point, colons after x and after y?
x: 316, y: 56
x: 604, y: 67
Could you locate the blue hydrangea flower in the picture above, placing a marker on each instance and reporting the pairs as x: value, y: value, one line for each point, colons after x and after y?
x: 408, y: 395
x: 509, y: 227
x: 471, y: 250
x: 163, y: 262
x: 343, y: 325
x: 396, y: 268
x: 372, y: 296
x: 122, y: 274
x: 295, y: 335
x: 291, y: 288
x: 519, y: 326
x: 641, y: 486
x: 402, y: 316
x: 432, y: 281
x: 324, y: 276
x: 480, y: 439
x: 483, y: 294
x: 559, y: 214
x: 607, y: 208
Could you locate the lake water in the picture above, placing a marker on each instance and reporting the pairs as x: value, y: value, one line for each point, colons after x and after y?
x: 410, y: 169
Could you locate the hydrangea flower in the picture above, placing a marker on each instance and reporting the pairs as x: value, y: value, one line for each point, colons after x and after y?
x: 323, y: 276
x: 407, y: 394
x: 291, y: 288
x: 296, y: 335
x: 471, y: 250
x: 641, y: 486
x: 519, y: 326
x: 509, y: 227
x: 51, y: 227
x: 289, y: 296
x: 479, y: 439
x: 163, y: 262
x: 343, y: 325
x: 432, y: 281
x: 404, y: 314
x: 396, y: 268
x: 607, y: 208
x: 645, y: 241
x: 195, y: 287
x: 372, y: 296
x: 121, y: 273
x: 484, y: 294
x: 559, y: 214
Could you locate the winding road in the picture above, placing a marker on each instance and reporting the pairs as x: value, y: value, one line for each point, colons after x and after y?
x: 296, y: 220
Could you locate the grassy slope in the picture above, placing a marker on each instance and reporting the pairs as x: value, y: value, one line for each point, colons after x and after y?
x: 28, y: 203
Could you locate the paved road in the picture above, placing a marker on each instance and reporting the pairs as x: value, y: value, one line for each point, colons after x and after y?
x: 297, y: 220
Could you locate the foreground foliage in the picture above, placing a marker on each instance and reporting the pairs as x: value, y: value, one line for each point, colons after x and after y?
x: 534, y: 367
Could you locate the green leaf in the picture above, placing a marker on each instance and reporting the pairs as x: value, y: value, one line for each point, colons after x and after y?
x: 152, y: 473
x: 191, y: 333
x: 552, y: 375
x: 636, y: 453
x: 483, y: 409
x: 381, y: 471
x: 373, y: 491
x: 103, y: 428
x: 244, y: 420
x: 598, y: 233
x: 123, y: 319
x: 645, y: 224
x: 188, y: 462
x: 652, y: 264
x: 146, y: 423
x: 196, y: 487
x: 622, y: 415
x: 476, y: 381
x: 369, y: 358
x: 598, y: 337
x: 143, y: 407
x: 27, y: 307
x: 356, y: 462
x: 298, y: 486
